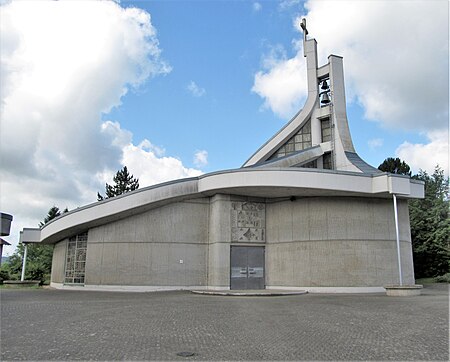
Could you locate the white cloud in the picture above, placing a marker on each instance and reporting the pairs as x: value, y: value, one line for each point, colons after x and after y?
x: 396, y: 62
x: 375, y: 143
x: 146, y: 161
x: 151, y: 169
x: 195, y: 90
x: 63, y: 65
x: 287, y: 4
x: 427, y: 156
x: 393, y: 66
x: 201, y: 158
x: 395, y: 55
x: 282, y: 83
x: 257, y: 7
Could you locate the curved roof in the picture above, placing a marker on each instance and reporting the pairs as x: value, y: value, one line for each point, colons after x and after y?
x: 256, y: 182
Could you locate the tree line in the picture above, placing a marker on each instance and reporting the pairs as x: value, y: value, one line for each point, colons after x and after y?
x: 429, y: 220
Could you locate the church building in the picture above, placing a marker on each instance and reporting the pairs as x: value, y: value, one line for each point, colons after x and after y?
x: 303, y: 212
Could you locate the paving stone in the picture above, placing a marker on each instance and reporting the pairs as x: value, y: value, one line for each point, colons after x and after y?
x: 82, y: 325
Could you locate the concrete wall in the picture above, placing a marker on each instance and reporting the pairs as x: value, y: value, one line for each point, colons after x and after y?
x: 59, y: 261
x: 310, y: 242
x: 162, y: 247
x: 336, y: 242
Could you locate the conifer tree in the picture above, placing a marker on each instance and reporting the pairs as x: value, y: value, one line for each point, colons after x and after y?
x: 395, y: 165
x: 430, y: 226
x: 53, y: 213
x: 124, y: 182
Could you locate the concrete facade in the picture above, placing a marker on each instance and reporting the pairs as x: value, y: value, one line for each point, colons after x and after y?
x: 324, y: 217
x: 309, y: 242
x: 330, y: 242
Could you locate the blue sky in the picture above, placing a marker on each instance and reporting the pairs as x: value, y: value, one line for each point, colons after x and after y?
x: 221, y: 55
x: 178, y: 88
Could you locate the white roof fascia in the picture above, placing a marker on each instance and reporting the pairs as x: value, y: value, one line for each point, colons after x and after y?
x: 243, y: 181
x: 120, y: 206
x: 30, y: 235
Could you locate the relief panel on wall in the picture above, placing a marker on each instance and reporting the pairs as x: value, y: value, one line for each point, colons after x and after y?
x: 248, y: 221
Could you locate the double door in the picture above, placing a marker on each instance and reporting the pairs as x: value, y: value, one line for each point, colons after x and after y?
x: 247, y: 267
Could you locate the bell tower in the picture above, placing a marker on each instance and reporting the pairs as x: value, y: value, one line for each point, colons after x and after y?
x: 318, y: 136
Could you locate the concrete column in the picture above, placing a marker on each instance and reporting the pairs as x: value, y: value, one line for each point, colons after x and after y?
x: 219, y: 242
x: 24, y: 262
x: 397, y: 236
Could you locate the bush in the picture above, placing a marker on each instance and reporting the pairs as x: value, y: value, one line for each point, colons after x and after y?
x: 35, y: 271
x: 443, y: 278
x: 4, y: 275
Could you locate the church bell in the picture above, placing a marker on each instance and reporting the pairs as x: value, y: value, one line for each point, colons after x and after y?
x: 325, y: 98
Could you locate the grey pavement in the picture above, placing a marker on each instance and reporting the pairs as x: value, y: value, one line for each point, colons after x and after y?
x: 82, y: 325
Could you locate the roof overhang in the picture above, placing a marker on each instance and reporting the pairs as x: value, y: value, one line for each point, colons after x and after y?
x: 268, y: 183
x: 30, y: 235
x: 306, y: 182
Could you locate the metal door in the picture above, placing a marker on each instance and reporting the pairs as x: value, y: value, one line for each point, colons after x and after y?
x: 247, y: 267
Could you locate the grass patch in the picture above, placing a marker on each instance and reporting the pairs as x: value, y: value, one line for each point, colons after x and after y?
x: 3, y: 287
x: 426, y: 281
x: 440, y: 279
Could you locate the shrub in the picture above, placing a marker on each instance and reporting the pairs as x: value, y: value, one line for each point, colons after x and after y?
x: 35, y: 271
x: 443, y: 278
x: 4, y: 275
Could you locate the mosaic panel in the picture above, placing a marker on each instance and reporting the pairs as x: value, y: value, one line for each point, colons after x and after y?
x: 248, y: 221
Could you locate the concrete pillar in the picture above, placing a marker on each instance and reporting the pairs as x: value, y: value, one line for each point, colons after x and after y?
x: 219, y: 242
x: 24, y: 262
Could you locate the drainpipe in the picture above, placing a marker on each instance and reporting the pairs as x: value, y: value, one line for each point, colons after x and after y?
x: 397, y: 235
x: 24, y: 263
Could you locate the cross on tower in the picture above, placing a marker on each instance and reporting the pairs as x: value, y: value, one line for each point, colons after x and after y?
x: 303, y: 26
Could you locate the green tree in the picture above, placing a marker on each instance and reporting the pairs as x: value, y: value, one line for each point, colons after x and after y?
x: 39, y: 256
x: 124, y: 182
x: 430, y: 226
x: 53, y: 213
x: 395, y: 165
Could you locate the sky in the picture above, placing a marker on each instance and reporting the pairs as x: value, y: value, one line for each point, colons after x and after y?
x: 175, y: 89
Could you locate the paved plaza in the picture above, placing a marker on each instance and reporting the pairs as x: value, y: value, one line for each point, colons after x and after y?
x: 79, y: 325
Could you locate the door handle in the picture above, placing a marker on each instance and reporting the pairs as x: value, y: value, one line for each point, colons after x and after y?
x: 243, y: 271
x: 251, y: 271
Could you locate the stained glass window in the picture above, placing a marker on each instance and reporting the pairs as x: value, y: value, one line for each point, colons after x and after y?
x: 76, y: 259
x: 300, y: 141
x: 326, y: 130
x: 311, y: 164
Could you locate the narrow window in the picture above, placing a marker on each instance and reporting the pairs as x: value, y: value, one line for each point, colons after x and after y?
x: 326, y: 130
x: 327, y: 162
x: 324, y: 92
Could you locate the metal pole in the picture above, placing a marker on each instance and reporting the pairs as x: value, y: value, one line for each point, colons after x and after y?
x: 24, y: 263
x: 397, y: 235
